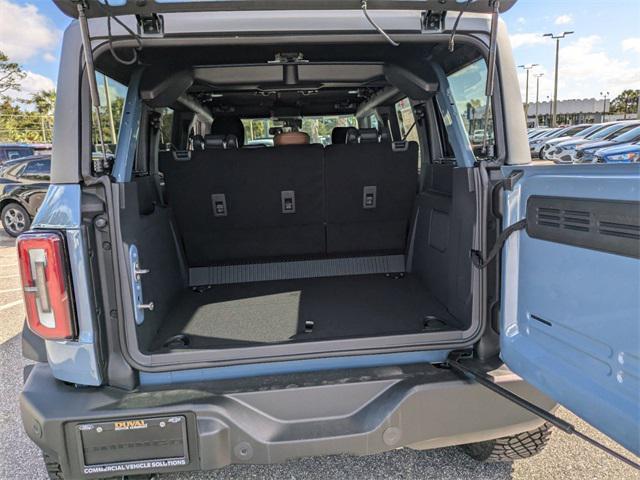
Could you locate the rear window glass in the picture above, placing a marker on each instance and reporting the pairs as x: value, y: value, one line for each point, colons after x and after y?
x: 166, y: 128
x: 112, y: 97
x: 406, y: 120
x: 468, y: 89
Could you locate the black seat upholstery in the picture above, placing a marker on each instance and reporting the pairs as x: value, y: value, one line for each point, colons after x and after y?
x: 221, y: 141
x: 341, y: 135
x: 234, y: 204
x: 371, y: 188
x: 229, y: 125
x: 241, y: 204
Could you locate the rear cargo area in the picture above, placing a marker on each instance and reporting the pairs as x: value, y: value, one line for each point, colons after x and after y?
x: 338, y: 228
x: 301, y: 310
x: 401, y: 270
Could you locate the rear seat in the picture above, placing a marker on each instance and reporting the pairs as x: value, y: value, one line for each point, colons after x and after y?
x: 245, y: 204
x: 371, y: 188
x: 234, y: 204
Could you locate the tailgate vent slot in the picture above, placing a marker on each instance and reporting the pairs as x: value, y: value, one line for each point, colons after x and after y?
x: 619, y: 230
x: 558, y: 218
x: 611, y: 226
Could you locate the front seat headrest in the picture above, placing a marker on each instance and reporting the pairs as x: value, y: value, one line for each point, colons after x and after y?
x: 368, y: 135
x: 291, y: 138
x: 340, y: 135
x: 383, y: 135
x: 220, y: 141
x: 229, y: 126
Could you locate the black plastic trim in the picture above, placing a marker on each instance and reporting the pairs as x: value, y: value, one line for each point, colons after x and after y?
x: 611, y: 226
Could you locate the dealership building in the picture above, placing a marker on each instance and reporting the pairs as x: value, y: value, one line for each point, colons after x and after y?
x: 571, y: 112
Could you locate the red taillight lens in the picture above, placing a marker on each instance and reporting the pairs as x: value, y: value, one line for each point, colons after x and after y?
x: 45, y: 283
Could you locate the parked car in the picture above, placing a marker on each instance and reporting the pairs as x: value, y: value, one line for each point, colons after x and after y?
x: 629, y: 153
x: 266, y: 304
x: 565, y: 152
x: 23, y: 185
x: 586, y: 153
x: 537, y: 132
x: 565, y: 133
x: 11, y: 151
x: 535, y: 145
x: 549, y: 145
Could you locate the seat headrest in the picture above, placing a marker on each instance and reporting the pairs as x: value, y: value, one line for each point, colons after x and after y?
x: 197, y: 141
x: 340, y: 135
x: 383, y: 135
x: 220, y: 141
x: 372, y: 135
x: 368, y: 135
x: 291, y: 138
x: 231, y: 125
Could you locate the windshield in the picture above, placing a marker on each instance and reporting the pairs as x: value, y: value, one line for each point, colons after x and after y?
x: 630, y: 136
x: 571, y: 131
x: 606, y: 132
x: 591, y: 130
x: 262, y: 130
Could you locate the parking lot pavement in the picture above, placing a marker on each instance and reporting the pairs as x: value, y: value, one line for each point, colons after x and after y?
x: 566, y: 457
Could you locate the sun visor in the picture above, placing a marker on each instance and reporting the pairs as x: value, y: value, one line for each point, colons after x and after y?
x: 158, y: 89
x: 417, y: 87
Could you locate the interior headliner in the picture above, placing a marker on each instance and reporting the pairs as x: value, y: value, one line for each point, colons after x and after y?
x: 254, y: 82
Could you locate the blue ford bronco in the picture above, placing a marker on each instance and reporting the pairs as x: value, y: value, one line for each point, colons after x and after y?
x: 377, y: 275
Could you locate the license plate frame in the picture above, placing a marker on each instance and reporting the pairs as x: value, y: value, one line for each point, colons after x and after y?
x: 129, y: 445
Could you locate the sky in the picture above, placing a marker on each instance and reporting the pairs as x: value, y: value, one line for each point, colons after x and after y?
x: 603, y: 55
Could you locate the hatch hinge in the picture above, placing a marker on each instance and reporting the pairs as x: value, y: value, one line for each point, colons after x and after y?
x: 455, y: 362
x: 432, y: 21
x: 150, y: 25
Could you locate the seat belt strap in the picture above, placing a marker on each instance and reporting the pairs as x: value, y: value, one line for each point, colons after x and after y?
x: 476, y: 256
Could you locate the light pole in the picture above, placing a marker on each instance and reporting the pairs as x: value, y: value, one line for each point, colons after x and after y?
x: 604, y: 105
x: 555, y: 81
x: 550, y: 108
x: 537, y: 75
x: 527, y: 68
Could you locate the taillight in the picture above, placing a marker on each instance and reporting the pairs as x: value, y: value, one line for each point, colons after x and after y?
x: 45, y: 283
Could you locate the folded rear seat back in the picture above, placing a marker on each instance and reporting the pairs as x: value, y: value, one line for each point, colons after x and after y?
x: 235, y: 205
x: 370, y: 192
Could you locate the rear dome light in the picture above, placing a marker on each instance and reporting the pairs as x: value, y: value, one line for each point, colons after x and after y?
x: 46, y: 286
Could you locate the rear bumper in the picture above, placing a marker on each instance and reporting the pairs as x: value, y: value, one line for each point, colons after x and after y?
x: 272, y: 420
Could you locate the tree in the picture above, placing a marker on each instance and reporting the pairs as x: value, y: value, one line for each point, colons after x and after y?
x: 626, y: 102
x: 10, y: 75
x: 44, y: 101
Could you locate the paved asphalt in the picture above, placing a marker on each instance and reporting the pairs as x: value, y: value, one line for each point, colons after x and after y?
x: 566, y: 457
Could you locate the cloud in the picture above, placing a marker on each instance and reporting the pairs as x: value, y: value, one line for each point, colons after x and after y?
x: 546, y: 83
x: 586, y: 69
x: 32, y: 83
x: 26, y: 33
x: 526, y: 39
x: 521, y: 20
x: 564, y: 20
x: 584, y: 64
x: 632, y: 44
x: 49, y: 57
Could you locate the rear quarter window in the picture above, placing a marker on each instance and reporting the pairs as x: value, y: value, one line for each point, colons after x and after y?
x: 468, y: 89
